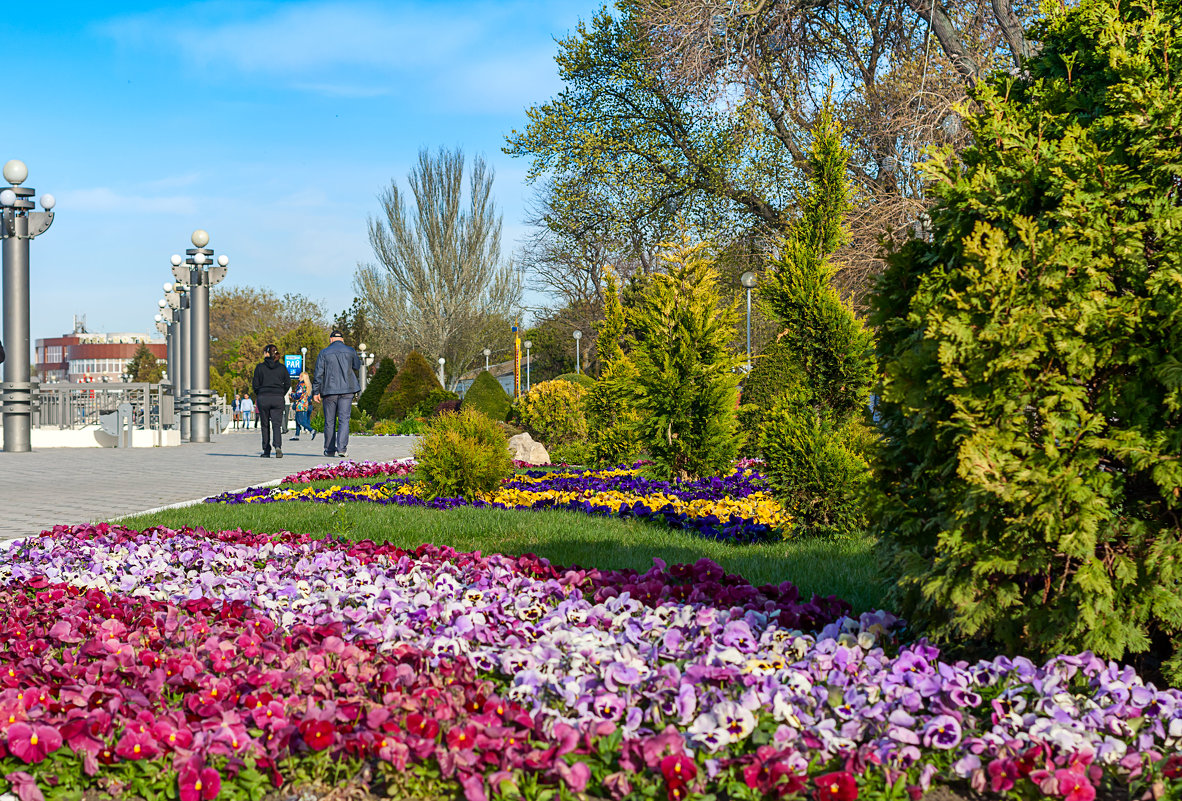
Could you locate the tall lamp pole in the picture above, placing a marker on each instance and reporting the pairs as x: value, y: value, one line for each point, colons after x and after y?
x: 172, y: 299
x: 184, y: 373
x: 201, y: 278
x: 19, y: 223
x: 577, y: 335
x: 442, y: 361
x: 528, y: 344
x: 367, y: 359
x: 487, y: 353
x: 748, y: 280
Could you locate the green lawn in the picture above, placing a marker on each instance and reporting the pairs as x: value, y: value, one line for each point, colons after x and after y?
x: 846, y: 568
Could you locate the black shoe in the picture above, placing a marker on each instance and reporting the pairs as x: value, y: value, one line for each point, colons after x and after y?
x: 265, y: 455
x: 278, y: 453
x: 326, y: 453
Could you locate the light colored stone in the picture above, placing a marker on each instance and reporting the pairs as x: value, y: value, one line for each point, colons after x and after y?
x: 524, y: 449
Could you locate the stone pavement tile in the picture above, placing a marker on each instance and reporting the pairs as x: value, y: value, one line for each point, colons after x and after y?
x: 78, y: 485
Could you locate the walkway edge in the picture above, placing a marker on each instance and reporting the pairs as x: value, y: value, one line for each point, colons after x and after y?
x: 5, y: 543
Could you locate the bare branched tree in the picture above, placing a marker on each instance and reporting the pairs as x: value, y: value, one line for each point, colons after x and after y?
x: 898, y: 70
x: 440, y: 285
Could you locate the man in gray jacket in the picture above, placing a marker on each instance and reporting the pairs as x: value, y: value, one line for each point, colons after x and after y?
x: 334, y: 385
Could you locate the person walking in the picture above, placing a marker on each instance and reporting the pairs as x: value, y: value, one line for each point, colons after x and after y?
x: 270, y: 384
x: 246, y: 409
x: 237, y: 408
x: 300, y: 397
x: 333, y: 386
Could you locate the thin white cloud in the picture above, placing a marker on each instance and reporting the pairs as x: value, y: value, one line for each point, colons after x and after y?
x: 105, y: 199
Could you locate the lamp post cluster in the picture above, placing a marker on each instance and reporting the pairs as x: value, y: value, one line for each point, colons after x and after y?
x: 184, y: 317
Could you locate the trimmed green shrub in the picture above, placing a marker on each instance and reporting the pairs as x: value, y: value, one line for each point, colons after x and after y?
x: 684, y: 388
x: 426, y: 407
x: 611, y: 421
x: 554, y: 412
x: 487, y: 396
x: 1032, y: 398
x: 372, y: 397
x: 815, y: 467
x: 574, y: 453
x: 385, y: 428
x: 773, y: 372
x: 582, y: 379
x: 411, y: 426
x: 462, y: 455
x: 808, y: 393
x: 414, y: 382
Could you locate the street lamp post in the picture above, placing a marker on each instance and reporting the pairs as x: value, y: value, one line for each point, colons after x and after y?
x: 172, y: 300
x: 19, y: 223
x: 201, y: 278
x: 488, y: 353
x: 749, y: 280
x: 184, y: 373
x: 367, y: 358
x: 528, y: 344
x: 578, y: 335
x: 441, y: 378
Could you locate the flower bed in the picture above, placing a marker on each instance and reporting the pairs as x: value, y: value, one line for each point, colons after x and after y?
x: 350, y: 469
x: 733, y: 507
x: 145, y: 663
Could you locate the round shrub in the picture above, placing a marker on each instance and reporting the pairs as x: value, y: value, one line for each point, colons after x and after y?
x: 462, y: 455
x: 372, y: 397
x: 426, y: 407
x: 582, y: 379
x: 414, y: 382
x: 487, y: 396
x: 554, y: 412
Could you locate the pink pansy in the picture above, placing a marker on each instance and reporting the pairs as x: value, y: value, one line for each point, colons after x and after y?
x: 199, y: 785
x: 32, y: 743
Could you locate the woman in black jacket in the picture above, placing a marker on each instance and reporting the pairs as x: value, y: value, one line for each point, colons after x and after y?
x: 270, y: 384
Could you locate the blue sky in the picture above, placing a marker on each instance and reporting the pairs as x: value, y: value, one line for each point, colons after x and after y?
x: 273, y: 125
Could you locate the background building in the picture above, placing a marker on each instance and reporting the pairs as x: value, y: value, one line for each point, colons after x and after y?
x: 83, y: 356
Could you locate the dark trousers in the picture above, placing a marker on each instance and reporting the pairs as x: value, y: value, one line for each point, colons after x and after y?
x: 337, y: 409
x: 271, y: 419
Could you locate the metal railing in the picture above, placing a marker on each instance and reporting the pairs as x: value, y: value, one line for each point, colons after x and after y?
x: 71, y: 406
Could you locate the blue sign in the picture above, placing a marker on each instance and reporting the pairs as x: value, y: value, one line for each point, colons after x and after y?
x: 294, y: 364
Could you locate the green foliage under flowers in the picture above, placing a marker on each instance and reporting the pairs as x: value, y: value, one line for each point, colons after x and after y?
x: 554, y: 412
x: 461, y: 455
x: 1032, y: 390
x: 684, y: 387
x: 487, y: 396
x: 814, y: 381
x: 413, y: 383
x: 582, y: 379
x: 399, y: 427
x: 427, y: 405
x: 372, y: 397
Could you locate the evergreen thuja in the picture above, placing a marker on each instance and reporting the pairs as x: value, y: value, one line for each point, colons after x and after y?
x: 810, y: 389
x: 684, y: 384
x: 1031, y: 470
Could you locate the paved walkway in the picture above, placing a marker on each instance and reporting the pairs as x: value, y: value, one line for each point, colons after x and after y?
x: 82, y: 485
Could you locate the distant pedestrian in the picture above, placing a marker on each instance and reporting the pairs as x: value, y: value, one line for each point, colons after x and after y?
x: 237, y: 408
x: 301, y: 395
x: 270, y: 384
x: 246, y: 409
x: 334, y: 386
